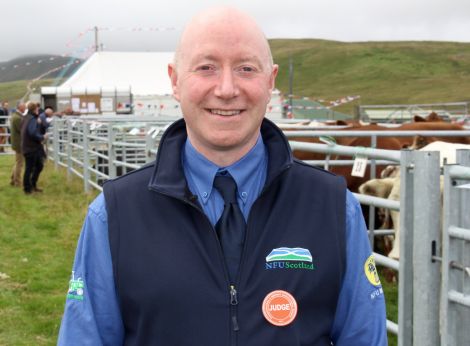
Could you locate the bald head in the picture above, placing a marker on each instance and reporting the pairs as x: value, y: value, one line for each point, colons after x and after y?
x: 217, y: 21
x: 49, y: 112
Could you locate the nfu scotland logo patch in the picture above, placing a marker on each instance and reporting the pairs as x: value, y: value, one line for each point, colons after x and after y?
x: 76, y: 288
x: 289, y: 258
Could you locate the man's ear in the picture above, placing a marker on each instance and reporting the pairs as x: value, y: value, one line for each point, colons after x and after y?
x: 272, y: 80
x: 174, y: 80
x: 275, y: 70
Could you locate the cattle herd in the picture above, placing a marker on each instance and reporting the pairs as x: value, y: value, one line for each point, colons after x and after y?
x: 388, y: 185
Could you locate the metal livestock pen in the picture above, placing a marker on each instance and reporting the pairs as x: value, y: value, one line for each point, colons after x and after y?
x: 97, y: 149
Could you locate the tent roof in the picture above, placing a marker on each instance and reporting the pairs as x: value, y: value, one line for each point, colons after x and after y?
x: 144, y: 72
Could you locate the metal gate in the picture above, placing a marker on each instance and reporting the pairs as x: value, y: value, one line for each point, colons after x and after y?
x: 455, y: 288
x: 434, y: 266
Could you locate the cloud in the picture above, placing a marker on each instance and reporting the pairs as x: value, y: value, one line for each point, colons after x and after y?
x: 47, y: 26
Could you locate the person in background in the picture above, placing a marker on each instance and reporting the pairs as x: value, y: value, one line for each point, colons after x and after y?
x: 3, y: 122
x: 45, y: 119
x: 69, y: 111
x: 32, y: 149
x: 225, y: 239
x: 40, y: 110
x: 15, y: 138
x: 4, y: 108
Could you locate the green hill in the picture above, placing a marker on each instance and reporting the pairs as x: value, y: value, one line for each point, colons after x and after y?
x: 380, y: 72
x: 32, y: 66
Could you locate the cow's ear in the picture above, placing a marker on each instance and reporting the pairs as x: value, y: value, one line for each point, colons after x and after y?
x: 418, y: 119
x: 433, y: 117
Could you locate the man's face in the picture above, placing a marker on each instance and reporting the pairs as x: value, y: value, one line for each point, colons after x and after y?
x: 223, y: 81
x: 22, y: 107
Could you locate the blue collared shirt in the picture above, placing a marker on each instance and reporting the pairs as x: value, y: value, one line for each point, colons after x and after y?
x: 93, y: 318
x: 249, y: 173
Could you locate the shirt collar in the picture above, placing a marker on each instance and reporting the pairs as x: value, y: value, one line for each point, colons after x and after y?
x: 202, y: 171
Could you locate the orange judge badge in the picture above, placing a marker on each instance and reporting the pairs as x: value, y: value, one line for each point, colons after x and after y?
x: 279, y: 308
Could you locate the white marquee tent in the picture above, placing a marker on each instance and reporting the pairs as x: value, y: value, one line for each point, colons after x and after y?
x: 144, y: 72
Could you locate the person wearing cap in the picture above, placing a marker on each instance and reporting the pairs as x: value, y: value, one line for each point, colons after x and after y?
x: 225, y: 239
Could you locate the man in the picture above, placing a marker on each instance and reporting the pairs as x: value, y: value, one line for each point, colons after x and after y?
x: 45, y: 119
x: 15, y: 136
x: 4, y: 108
x: 3, y: 129
x: 165, y: 257
x: 32, y: 149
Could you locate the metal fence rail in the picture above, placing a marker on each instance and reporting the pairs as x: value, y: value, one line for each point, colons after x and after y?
x: 4, y: 134
x: 455, y: 286
x: 97, y: 149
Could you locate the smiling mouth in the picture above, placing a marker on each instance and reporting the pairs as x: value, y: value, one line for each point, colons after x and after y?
x: 225, y: 112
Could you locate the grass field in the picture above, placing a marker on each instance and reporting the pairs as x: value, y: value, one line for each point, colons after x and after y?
x: 38, y: 235
x: 13, y: 91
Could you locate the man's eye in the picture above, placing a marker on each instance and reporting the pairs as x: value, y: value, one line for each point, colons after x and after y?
x: 205, y: 68
x: 247, y: 69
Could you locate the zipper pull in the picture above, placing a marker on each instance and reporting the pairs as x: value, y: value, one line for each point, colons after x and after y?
x: 233, y: 296
x: 236, y: 328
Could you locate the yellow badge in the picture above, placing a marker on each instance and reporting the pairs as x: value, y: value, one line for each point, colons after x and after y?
x: 371, y: 271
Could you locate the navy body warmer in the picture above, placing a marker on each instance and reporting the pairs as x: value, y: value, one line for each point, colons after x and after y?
x: 168, y: 265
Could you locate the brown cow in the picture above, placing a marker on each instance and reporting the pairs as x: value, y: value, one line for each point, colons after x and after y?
x: 390, y: 143
x: 432, y: 117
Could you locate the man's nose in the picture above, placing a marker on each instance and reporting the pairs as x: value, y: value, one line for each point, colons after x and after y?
x: 226, y: 85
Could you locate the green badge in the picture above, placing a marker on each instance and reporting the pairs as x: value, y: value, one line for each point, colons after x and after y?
x: 76, y: 288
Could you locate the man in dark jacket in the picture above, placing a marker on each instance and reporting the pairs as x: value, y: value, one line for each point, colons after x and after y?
x: 225, y: 239
x: 32, y: 149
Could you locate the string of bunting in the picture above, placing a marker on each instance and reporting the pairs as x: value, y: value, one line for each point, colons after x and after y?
x: 137, y: 29
x: 89, y: 48
x: 330, y: 104
x: 83, y: 51
x: 55, y: 69
x: 270, y: 108
x: 80, y: 35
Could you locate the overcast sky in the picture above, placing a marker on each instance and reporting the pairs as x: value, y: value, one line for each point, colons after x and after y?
x: 61, y: 26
